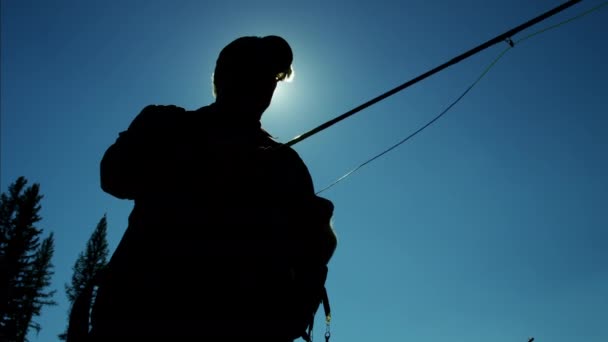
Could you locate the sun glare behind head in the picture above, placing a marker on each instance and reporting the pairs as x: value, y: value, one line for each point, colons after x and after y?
x: 290, y: 75
x: 286, y: 76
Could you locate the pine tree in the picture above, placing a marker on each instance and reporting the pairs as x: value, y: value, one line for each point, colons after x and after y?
x: 39, y: 278
x: 88, y: 264
x: 25, y: 262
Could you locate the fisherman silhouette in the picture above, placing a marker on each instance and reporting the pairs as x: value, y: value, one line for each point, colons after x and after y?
x: 227, y: 240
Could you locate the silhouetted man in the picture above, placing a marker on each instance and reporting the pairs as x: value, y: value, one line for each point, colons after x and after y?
x: 227, y: 240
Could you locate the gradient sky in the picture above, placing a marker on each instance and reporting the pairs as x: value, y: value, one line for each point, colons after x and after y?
x: 490, y: 225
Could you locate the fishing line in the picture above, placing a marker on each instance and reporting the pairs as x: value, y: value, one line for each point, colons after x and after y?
x: 498, y: 39
x: 485, y: 71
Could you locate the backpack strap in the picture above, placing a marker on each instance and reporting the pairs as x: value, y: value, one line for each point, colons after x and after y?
x: 327, y: 309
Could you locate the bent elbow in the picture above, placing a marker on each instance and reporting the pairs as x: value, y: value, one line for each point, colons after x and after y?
x: 113, y: 180
x: 114, y: 190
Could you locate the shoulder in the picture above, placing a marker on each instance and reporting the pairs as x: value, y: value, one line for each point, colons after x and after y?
x: 283, y: 150
x: 156, y: 116
x: 152, y: 111
x: 289, y: 157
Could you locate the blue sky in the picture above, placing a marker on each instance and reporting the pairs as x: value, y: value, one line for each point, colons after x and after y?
x: 488, y: 226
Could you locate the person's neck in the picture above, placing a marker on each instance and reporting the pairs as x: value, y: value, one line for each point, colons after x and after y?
x: 236, y: 115
x: 237, y: 111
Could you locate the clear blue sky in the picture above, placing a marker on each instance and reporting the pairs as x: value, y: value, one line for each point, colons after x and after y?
x: 490, y: 225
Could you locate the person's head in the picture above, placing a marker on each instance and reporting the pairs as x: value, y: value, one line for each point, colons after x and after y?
x: 247, y: 71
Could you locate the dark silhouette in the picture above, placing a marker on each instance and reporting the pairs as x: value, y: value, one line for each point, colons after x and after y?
x: 227, y: 240
x: 26, y: 267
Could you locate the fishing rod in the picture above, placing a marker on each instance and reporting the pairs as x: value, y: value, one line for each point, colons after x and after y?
x: 498, y: 39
